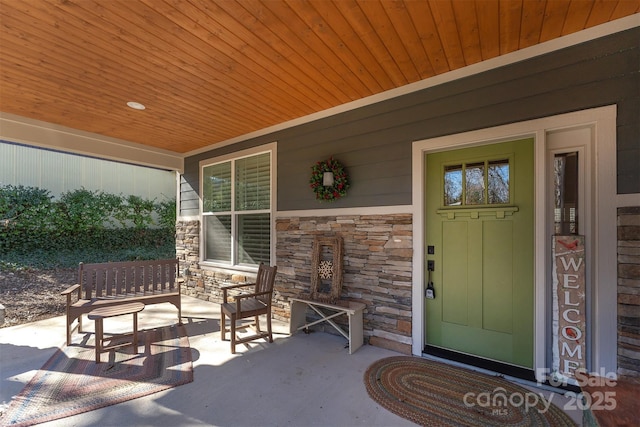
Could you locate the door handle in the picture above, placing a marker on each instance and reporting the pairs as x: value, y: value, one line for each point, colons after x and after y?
x: 430, y: 292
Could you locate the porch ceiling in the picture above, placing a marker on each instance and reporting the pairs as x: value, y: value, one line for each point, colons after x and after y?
x: 210, y: 71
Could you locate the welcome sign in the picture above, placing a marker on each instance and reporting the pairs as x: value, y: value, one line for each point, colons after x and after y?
x: 569, y: 305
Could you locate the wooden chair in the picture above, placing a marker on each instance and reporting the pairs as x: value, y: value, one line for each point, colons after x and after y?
x: 249, y: 305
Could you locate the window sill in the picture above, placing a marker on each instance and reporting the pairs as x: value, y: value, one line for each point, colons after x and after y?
x: 228, y: 269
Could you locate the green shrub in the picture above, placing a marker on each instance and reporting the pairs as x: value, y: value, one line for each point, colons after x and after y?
x: 85, y: 210
x: 166, y: 214
x: 24, y: 212
x: 83, y: 225
x: 137, y: 211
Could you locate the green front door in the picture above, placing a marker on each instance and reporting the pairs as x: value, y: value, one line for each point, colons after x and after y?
x: 479, y: 237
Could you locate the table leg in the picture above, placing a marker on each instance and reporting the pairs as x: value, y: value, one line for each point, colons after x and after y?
x: 298, y: 316
x: 356, y: 336
x: 135, y: 332
x: 99, y: 332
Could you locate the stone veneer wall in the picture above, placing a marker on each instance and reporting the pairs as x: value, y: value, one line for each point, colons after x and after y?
x: 377, y: 268
x: 199, y: 283
x: 377, y: 271
x: 188, y: 247
x: 629, y: 291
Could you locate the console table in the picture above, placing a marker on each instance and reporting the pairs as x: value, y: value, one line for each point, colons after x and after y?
x: 327, y: 312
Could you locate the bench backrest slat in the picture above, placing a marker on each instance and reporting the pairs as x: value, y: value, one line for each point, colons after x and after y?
x: 109, y: 279
x: 85, y: 282
x: 118, y: 278
x: 99, y: 280
x: 156, y: 277
x: 138, y: 272
x: 127, y: 275
x: 163, y: 278
x: 146, y: 277
x: 103, y: 281
x: 172, y: 276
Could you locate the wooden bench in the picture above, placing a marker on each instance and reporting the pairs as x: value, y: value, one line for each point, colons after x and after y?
x: 352, y: 309
x: 116, y: 283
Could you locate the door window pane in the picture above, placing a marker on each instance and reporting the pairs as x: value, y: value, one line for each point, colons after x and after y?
x: 498, y: 181
x: 474, y: 188
x: 453, y: 185
x: 477, y: 183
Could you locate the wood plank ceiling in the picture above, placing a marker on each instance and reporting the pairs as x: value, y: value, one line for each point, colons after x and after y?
x: 209, y: 71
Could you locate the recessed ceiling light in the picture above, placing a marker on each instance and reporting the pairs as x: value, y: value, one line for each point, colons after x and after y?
x: 136, y: 105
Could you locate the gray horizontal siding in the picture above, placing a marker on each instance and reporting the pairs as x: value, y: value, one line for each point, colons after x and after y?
x: 374, y: 142
x: 189, y: 205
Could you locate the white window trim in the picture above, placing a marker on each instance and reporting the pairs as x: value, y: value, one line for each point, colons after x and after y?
x: 270, y: 148
x: 605, y: 204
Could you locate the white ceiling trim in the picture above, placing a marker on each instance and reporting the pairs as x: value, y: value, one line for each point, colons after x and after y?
x: 48, y: 135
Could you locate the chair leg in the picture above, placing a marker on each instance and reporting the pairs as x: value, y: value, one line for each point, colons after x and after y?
x: 258, y: 324
x: 71, y: 328
x: 233, y: 334
x: 69, y: 331
x: 269, y: 327
x: 223, y: 327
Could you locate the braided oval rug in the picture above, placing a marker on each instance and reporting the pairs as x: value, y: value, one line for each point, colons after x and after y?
x: 431, y: 393
x: 70, y: 382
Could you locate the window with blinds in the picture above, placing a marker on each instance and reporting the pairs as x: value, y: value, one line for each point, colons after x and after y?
x: 237, y: 210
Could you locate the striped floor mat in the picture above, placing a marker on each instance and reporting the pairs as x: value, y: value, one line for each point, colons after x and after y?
x: 71, y: 382
x: 430, y: 393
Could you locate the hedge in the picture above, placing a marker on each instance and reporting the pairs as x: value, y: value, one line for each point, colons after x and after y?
x: 31, y: 220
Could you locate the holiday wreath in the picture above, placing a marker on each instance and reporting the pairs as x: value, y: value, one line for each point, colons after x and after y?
x: 340, y: 182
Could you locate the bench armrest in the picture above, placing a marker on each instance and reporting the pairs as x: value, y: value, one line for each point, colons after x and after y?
x: 69, y: 291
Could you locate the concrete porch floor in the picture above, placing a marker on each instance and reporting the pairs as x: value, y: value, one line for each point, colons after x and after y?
x: 298, y: 380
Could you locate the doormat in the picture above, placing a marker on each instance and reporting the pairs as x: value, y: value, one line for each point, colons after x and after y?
x: 431, y: 393
x: 71, y: 382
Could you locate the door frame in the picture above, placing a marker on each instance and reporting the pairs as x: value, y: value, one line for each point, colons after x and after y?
x: 604, y: 205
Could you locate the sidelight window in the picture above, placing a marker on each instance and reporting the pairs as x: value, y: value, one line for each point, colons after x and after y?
x: 565, y: 192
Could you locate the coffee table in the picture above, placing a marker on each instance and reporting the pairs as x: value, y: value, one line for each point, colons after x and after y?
x: 99, y: 314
